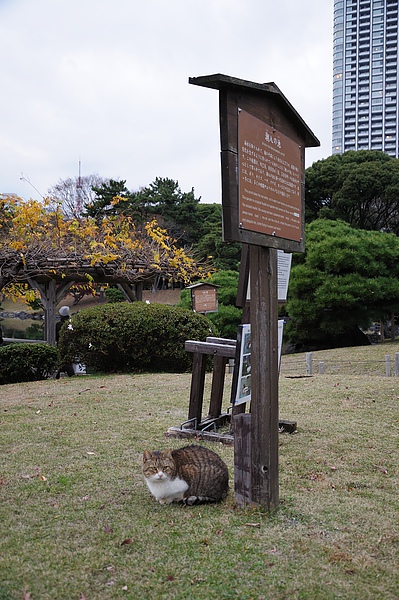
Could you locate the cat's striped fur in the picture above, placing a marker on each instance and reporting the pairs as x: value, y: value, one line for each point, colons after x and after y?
x: 192, y: 475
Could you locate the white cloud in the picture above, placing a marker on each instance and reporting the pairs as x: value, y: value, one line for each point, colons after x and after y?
x: 107, y: 83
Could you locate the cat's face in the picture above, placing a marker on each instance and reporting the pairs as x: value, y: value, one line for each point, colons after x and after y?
x: 158, y: 466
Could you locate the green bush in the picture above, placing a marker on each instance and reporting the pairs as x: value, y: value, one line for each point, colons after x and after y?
x: 185, y: 300
x: 228, y: 317
x: 131, y: 337
x: 113, y: 294
x: 27, y: 362
x: 226, y: 320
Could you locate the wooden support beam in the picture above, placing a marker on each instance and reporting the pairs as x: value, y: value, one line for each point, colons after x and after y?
x: 208, y: 436
x: 242, y: 458
x: 48, y: 296
x: 61, y: 290
x: 197, y: 387
x: 264, y: 377
x: 127, y: 291
x: 218, y: 378
x: 210, y: 348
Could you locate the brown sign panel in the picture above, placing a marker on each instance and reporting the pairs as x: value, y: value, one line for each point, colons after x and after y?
x: 205, y: 299
x: 269, y: 165
x: 262, y: 209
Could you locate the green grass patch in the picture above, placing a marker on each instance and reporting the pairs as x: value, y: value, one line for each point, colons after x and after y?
x: 72, y: 493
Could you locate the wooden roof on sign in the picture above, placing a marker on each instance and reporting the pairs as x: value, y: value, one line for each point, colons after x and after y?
x: 202, y: 284
x: 219, y: 82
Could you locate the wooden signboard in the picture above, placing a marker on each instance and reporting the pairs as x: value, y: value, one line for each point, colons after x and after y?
x: 204, y: 297
x: 263, y: 142
x: 274, y: 153
x: 269, y: 185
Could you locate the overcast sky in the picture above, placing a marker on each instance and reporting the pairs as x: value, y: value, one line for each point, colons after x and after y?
x: 106, y: 82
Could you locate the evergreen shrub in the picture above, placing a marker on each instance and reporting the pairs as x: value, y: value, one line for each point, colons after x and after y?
x: 133, y: 337
x: 27, y: 362
x: 113, y: 294
x: 228, y: 316
x: 226, y: 319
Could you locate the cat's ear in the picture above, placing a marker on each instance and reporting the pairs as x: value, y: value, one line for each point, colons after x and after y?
x: 146, y: 455
x: 168, y: 453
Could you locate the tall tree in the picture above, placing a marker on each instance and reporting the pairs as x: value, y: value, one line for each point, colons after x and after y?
x: 361, y: 188
x: 111, y: 197
x: 163, y: 197
x: 208, y: 242
x: 75, y: 193
x: 346, y: 279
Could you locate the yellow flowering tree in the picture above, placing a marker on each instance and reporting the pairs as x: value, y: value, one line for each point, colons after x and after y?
x: 41, y: 247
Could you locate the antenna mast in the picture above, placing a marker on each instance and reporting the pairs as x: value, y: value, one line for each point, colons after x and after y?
x: 79, y: 203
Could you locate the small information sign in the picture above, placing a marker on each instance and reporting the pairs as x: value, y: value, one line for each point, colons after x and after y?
x: 243, y: 391
x: 283, y: 276
x: 204, y: 297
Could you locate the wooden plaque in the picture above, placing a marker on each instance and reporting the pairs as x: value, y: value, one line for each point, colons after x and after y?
x: 248, y: 112
x: 269, y: 183
x: 205, y: 299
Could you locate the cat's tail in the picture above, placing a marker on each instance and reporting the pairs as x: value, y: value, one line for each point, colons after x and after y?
x: 192, y: 500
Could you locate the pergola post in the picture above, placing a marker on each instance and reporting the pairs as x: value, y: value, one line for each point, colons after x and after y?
x: 50, y: 297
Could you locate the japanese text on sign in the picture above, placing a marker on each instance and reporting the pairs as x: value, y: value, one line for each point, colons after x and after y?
x: 269, y: 180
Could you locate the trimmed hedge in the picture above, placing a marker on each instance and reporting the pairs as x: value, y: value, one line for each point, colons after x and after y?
x: 227, y: 319
x: 133, y: 337
x: 27, y: 362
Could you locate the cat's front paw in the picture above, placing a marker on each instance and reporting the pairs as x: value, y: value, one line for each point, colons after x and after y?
x: 165, y: 500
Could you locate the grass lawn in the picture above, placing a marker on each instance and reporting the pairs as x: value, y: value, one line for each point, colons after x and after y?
x: 78, y: 523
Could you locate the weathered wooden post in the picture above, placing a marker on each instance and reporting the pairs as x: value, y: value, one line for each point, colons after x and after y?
x: 388, y: 365
x: 51, y: 295
x: 263, y: 143
x: 396, y: 364
x: 309, y: 363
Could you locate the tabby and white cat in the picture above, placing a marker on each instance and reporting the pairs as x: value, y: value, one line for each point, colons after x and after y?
x: 192, y: 475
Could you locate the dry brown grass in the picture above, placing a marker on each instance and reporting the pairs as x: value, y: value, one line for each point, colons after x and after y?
x: 72, y: 492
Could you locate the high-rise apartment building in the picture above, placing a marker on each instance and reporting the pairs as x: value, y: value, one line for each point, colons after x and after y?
x: 366, y: 87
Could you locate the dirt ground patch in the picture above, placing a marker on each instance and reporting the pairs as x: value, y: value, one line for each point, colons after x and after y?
x: 162, y: 296
x: 171, y: 297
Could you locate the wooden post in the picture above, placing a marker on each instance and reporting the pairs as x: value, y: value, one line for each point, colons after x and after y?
x: 309, y: 363
x: 197, y: 387
x: 264, y: 377
x: 261, y: 210
x: 48, y: 298
x: 396, y: 364
x: 388, y: 365
x: 49, y: 322
x: 242, y: 458
x: 219, y: 372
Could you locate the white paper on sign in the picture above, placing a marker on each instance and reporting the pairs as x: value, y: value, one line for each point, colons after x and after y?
x: 243, y: 393
x: 283, y: 275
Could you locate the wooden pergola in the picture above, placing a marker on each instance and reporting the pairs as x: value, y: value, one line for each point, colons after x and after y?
x: 54, y: 277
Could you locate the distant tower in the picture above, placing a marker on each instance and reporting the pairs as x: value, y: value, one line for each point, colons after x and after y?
x: 79, y: 192
x: 365, y: 70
